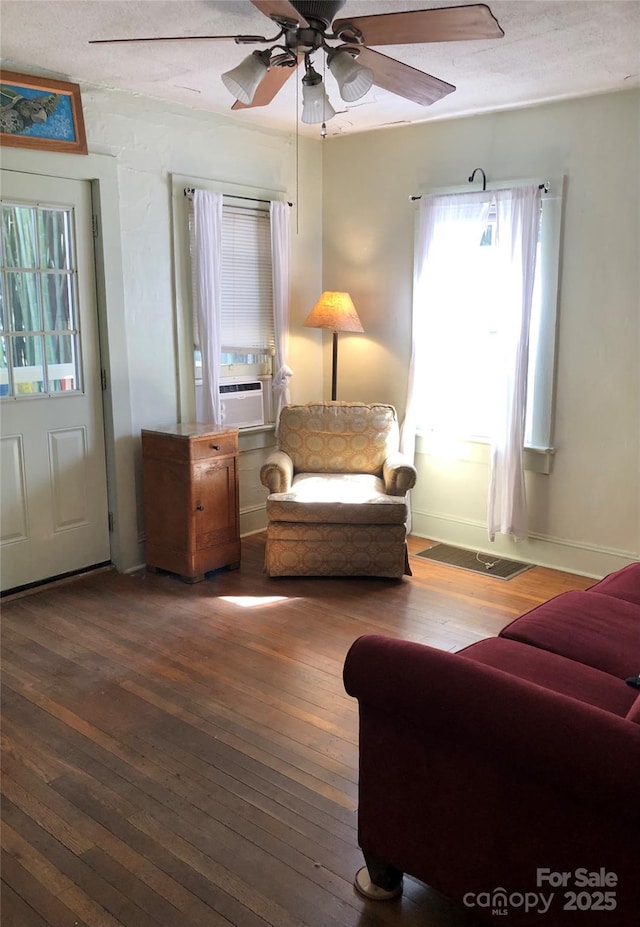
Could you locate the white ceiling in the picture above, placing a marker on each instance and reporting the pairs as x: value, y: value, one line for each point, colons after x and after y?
x: 551, y: 50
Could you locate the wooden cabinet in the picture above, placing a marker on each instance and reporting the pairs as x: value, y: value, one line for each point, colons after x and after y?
x: 191, y: 507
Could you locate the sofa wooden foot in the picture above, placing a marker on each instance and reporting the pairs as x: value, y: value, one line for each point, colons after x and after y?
x: 378, y: 880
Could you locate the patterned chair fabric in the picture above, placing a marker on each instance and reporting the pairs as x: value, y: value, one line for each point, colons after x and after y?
x: 337, y: 492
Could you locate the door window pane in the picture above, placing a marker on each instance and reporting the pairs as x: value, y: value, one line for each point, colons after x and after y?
x: 60, y: 352
x: 3, y: 307
x: 5, y: 386
x: 28, y: 367
x: 19, y: 235
x: 55, y: 239
x: 24, y: 305
x: 57, y: 302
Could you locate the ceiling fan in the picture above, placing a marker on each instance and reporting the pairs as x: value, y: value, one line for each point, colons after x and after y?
x: 305, y: 26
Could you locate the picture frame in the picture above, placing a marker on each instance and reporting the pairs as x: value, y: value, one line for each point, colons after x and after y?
x: 41, y: 113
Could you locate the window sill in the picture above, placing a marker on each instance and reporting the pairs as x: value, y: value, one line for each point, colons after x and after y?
x: 475, y: 450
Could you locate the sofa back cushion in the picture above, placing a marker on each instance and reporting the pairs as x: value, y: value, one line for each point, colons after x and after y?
x: 599, y: 630
x: 623, y: 584
x: 338, y: 437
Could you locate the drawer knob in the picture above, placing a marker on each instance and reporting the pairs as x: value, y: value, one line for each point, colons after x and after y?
x: 215, y: 447
x: 200, y: 507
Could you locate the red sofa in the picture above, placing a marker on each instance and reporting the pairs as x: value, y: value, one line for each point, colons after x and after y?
x: 507, y: 776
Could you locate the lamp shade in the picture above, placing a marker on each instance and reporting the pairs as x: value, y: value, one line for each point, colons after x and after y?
x: 336, y: 312
x: 352, y: 78
x: 316, y: 106
x: 242, y: 81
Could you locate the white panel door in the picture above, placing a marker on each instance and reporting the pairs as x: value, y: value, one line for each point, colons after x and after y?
x: 53, y: 490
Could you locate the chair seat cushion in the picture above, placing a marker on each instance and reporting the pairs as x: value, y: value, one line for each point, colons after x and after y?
x: 332, y: 498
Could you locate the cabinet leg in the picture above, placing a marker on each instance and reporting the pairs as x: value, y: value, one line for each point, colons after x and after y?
x: 193, y: 579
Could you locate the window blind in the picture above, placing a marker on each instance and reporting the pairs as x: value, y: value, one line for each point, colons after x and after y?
x: 246, y: 286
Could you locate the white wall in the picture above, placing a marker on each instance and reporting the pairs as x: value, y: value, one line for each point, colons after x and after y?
x: 584, y: 515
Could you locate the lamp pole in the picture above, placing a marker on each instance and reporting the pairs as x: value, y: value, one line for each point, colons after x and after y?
x: 334, y: 311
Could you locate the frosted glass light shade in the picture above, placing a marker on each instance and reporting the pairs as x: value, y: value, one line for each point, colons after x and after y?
x: 242, y: 81
x: 352, y: 78
x: 316, y: 107
x: 336, y: 312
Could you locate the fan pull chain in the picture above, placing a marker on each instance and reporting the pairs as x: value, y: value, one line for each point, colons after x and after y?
x: 323, y: 128
x: 297, y: 158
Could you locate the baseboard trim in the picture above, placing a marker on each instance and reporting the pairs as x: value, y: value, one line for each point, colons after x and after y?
x: 542, y: 550
x: 253, y: 520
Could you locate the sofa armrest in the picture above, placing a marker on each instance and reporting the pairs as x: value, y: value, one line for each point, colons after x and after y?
x: 399, y: 474
x: 441, y: 698
x: 276, y: 472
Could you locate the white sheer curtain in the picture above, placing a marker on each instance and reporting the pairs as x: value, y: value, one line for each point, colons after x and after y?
x: 280, y: 260
x: 518, y: 219
x: 207, y: 261
x: 449, y: 230
x: 448, y: 236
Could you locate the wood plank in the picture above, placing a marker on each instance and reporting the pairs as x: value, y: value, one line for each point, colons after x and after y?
x: 34, y: 894
x: 16, y: 912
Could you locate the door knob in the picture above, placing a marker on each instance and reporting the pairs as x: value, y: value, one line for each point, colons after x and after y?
x: 200, y: 507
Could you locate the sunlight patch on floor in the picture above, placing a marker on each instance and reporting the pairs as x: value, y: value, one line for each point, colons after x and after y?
x: 253, y: 601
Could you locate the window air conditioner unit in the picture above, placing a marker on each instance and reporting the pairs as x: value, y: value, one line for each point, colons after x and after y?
x: 242, y: 402
x: 245, y: 401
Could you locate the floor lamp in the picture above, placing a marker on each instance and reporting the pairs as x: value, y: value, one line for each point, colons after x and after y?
x: 336, y: 312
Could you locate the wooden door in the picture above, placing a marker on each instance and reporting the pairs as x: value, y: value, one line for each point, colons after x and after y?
x: 54, y: 512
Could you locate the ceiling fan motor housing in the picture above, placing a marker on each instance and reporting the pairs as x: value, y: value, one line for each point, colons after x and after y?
x: 322, y: 11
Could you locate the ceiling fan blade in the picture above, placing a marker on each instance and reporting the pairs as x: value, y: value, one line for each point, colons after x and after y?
x: 270, y: 85
x: 449, y: 24
x: 178, y: 38
x: 400, y: 78
x: 280, y: 9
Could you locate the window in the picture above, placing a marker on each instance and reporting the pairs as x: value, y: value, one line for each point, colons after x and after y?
x: 247, y: 330
x: 461, y: 342
x: 38, y: 302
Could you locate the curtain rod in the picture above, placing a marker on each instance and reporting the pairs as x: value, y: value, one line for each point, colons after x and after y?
x: 189, y: 191
x: 541, y: 186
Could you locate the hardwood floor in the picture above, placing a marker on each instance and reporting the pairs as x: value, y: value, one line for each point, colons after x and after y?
x: 180, y: 755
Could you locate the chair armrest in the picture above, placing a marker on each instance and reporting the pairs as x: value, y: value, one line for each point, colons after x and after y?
x: 441, y: 698
x: 399, y: 474
x: 276, y: 472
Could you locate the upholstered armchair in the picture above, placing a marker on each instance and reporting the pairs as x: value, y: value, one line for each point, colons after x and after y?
x: 337, y: 486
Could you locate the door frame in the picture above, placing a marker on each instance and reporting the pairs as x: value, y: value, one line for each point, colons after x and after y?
x: 102, y: 174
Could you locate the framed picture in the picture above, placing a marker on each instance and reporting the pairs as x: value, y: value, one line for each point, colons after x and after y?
x: 41, y: 113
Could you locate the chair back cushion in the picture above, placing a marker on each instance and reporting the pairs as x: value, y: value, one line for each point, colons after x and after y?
x: 338, y: 437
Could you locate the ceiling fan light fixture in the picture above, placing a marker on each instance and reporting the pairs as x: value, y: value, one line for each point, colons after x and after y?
x: 243, y: 80
x: 352, y: 78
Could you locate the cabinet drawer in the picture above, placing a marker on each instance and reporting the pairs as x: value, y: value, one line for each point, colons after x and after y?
x: 162, y: 446
x: 214, y: 446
